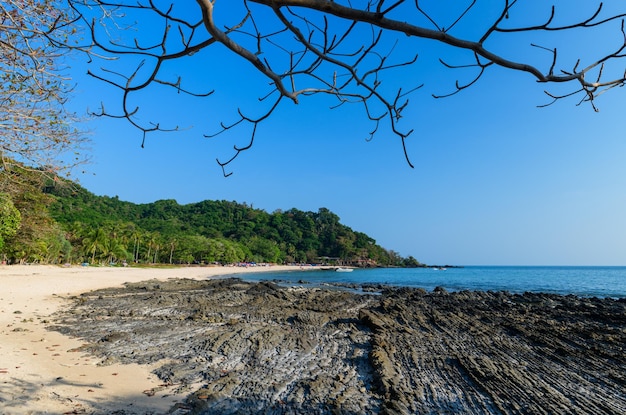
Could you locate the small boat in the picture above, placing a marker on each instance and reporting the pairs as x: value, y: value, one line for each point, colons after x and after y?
x: 341, y: 269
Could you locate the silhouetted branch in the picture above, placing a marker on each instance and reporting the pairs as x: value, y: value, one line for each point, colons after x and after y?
x: 346, y: 50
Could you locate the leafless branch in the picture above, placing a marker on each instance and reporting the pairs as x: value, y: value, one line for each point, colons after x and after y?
x: 348, y: 51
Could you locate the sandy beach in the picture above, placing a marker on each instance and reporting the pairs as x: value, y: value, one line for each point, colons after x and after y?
x: 41, y: 371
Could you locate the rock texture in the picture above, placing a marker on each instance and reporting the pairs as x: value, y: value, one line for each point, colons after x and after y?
x: 257, y: 348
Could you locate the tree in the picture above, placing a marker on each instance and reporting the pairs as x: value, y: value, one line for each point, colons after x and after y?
x: 136, y: 235
x: 94, y: 243
x: 36, y: 128
x: 9, y: 219
x: 153, y: 239
x: 350, y: 50
x: 114, y: 250
x: 37, y: 229
x: 263, y: 250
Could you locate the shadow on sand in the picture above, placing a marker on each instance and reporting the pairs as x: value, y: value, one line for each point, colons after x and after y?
x: 18, y: 396
x: 21, y: 397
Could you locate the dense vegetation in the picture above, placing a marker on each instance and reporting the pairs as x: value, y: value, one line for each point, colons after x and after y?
x: 64, y: 222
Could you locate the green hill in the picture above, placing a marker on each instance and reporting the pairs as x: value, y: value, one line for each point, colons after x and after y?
x: 83, y: 227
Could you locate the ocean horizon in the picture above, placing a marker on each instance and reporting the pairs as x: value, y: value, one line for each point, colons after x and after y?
x: 583, y: 281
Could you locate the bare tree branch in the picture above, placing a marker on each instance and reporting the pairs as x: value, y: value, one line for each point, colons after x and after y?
x: 37, y: 131
x: 347, y: 50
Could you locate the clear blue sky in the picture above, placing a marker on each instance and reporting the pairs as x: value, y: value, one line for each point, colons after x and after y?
x: 496, y: 179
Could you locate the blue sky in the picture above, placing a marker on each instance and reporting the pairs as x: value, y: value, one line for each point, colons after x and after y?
x: 497, y: 181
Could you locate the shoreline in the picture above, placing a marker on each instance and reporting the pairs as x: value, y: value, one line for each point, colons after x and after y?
x: 176, y: 341
x: 258, y: 347
x: 40, y: 373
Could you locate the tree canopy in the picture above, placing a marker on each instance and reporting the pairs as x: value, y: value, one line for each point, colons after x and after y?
x: 348, y: 51
x: 58, y: 221
x: 210, y: 231
x: 9, y: 219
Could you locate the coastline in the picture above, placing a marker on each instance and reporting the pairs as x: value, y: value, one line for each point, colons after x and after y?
x: 174, y: 341
x: 39, y: 373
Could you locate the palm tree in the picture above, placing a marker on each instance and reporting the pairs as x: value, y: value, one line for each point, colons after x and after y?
x: 94, y: 242
x: 157, y: 246
x: 153, y: 243
x: 136, y: 235
x: 131, y: 232
x: 172, y: 246
x: 114, y: 250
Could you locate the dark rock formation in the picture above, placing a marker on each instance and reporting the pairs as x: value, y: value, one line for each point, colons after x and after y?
x: 261, y: 349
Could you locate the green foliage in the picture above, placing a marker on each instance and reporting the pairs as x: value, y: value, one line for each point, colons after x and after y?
x: 38, y: 238
x: 10, y: 219
x: 210, y: 231
x: 66, y: 223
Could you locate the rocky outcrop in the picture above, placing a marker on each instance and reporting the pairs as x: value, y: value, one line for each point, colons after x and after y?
x: 259, y: 348
x: 473, y: 352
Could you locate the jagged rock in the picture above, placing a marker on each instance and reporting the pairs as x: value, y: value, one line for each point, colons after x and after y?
x: 261, y: 348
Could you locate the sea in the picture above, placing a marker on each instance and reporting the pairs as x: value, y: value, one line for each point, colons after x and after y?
x: 589, y: 281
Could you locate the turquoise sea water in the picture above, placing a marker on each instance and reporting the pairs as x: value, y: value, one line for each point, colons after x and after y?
x: 581, y: 281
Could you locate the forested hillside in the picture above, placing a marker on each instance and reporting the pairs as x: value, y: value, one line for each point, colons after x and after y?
x: 82, y: 227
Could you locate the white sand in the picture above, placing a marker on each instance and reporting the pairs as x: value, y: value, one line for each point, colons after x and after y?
x: 39, y: 372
